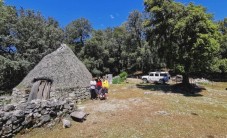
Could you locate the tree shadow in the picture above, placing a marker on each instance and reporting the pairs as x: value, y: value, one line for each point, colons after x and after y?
x: 191, y: 90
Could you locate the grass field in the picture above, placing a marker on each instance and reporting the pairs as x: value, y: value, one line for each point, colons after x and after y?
x: 135, y: 110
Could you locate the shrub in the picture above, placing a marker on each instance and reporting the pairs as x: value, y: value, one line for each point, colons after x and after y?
x: 121, y: 78
x: 116, y: 80
x: 123, y: 75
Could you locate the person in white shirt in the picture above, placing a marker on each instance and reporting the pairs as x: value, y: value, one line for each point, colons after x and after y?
x: 93, y: 89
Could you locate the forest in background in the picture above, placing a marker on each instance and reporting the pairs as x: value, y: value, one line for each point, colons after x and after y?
x: 168, y: 34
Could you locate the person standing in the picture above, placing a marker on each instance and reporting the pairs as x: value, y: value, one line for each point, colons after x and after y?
x: 93, y: 89
x: 99, y: 86
x: 105, y: 86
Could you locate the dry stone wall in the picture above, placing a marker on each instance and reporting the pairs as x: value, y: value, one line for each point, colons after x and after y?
x: 14, y: 118
x: 75, y: 94
x: 21, y: 114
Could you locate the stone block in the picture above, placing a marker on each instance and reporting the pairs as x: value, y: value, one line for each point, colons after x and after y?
x: 18, y: 113
x: 78, y: 115
x: 27, y: 121
x: 7, y: 116
x: 9, y: 107
x: 18, y: 129
x: 67, y: 106
x: 16, y: 126
x: 2, y: 114
x: 6, y: 130
x: 66, y: 123
x: 18, y: 121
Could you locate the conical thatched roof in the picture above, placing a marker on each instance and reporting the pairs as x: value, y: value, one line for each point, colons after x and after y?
x: 62, y: 67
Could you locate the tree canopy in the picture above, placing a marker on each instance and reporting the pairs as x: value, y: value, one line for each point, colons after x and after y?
x: 186, y: 36
x: 25, y: 38
x: 77, y: 32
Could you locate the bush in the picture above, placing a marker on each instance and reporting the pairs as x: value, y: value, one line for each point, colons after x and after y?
x: 121, y: 78
x: 123, y: 75
x: 116, y: 80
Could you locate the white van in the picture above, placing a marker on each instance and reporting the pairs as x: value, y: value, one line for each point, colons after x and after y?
x: 160, y: 77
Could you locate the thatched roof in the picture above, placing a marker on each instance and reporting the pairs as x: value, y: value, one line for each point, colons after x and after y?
x: 62, y: 67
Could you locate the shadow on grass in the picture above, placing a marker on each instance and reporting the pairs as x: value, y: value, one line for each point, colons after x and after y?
x: 188, y: 91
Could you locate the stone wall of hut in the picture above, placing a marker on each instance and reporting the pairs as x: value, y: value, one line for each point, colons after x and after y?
x: 75, y: 94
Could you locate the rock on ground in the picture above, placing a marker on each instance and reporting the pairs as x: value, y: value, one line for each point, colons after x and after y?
x: 66, y: 123
x: 78, y: 115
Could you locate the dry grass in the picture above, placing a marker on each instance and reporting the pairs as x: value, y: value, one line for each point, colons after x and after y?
x: 132, y: 112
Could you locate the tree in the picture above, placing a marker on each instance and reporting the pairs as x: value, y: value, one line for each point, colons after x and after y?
x: 8, y: 66
x: 135, y: 42
x: 221, y: 62
x: 223, y: 40
x: 103, y: 53
x: 7, y: 25
x: 93, y: 53
x: 37, y: 36
x: 160, y: 22
x: 135, y: 26
x: 119, y: 35
x: 25, y: 38
x: 77, y: 32
x: 186, y: 35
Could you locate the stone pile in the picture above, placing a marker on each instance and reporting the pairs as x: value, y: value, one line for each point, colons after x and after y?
x: 14, y: 118
x: 201, y: 80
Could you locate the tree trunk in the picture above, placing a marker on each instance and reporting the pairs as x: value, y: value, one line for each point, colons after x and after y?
x: 186, y: 73
x: 81, y: 40
x: 186, y: 79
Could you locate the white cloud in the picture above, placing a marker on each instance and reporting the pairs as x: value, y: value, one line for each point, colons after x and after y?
x: 111, y: 16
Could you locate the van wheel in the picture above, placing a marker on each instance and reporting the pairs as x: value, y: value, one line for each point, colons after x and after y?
x: 161, y: 81
x: 145, y: 81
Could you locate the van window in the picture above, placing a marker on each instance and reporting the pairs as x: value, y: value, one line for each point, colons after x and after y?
x: 156, y: 74
x: 163, y: 74
x: 151, y: 74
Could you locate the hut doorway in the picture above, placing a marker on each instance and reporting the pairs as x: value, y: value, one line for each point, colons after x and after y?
x: 40, y: 89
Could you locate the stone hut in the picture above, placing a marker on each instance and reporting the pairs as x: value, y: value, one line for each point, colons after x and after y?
x: 58, y: 75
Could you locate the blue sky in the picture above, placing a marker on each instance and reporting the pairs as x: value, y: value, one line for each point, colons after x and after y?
x: 103, y: 13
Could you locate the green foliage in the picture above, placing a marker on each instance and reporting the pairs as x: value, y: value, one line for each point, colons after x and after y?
x: 25, y: 38
x: 11, y: 72
x: 96, y: 72
x: 184, y: 36
x: 179, y: 69
x: 123, y: 75
x: 168, y: 35
x: 7, y: 25
x: 116, y: 80
x: 120, y: 78
x: 37, y: 36
x: 220, y: 65
x: 114, y: 49
x: 223, y: 65
x: 77, y: 32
